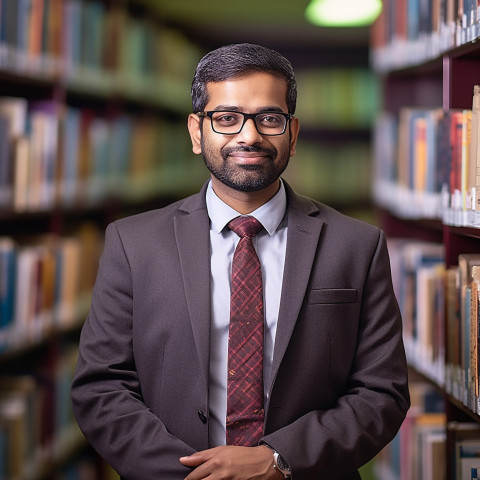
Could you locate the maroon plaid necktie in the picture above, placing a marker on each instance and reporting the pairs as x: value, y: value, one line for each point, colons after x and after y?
x: 245, y: 347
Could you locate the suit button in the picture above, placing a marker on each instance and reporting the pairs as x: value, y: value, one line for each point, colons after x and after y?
x: 202, y: 416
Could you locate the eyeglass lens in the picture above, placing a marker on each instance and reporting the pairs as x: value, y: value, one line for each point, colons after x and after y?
x: 232, y: 122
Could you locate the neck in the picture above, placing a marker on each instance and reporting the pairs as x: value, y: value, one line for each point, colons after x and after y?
x: 244, y: 202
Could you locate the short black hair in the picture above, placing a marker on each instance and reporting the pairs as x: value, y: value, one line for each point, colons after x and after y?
x: 236, y: 60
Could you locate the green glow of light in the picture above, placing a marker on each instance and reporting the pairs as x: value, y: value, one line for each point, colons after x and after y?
x: 343, y: 13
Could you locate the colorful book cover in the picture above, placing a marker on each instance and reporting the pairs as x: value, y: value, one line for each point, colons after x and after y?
x: 7, y: 282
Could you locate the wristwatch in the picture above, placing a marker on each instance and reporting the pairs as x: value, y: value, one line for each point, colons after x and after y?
x: 279, y: 463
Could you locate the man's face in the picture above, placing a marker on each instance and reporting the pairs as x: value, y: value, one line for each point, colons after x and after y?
x: 247, y: 161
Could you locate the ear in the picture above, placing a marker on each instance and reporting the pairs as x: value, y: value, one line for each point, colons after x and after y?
x: 194, y: 126
x: 294, y: 129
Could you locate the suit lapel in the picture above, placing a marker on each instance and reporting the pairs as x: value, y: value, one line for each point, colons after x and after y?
x: 193, y: 242
x: 302, y: 242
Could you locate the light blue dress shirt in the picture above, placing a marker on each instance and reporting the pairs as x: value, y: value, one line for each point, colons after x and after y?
x: 270, y: 245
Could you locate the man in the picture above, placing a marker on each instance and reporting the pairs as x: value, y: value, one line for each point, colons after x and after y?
x: 156, y: 371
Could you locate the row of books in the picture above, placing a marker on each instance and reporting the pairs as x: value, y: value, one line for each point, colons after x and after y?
x: 462, y: 319
x: 337, y: 97
x: 45, y: 284
x: 53, y: 155
x: 56, y: 156
x: 37, y: 427
x: 418, y: 274
x: 97, y: 45
x: 440, y: 311
x: 418, y: 452
x: 427, y: 163
x: 411, y: 32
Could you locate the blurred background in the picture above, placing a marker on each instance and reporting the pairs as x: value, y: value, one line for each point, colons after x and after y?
x: 94, y: 96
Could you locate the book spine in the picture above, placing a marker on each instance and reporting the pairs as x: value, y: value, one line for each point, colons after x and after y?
x: 475, y: 317
x: 475, y: 147
x: 7, y: 280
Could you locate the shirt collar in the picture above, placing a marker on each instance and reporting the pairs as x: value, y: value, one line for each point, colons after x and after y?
x: 269, y: 214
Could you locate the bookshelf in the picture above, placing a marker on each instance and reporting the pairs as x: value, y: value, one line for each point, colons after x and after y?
x: 427, y: 58
x: 93, y: 99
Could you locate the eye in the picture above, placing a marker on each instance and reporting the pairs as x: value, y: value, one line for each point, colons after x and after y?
x: 226, y: 118
x: 270, y: 120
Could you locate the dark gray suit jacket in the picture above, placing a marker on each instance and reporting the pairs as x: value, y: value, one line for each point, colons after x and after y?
x: 339, y: 390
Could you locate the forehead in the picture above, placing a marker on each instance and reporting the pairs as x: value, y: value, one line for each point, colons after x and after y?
x: 249, y: 93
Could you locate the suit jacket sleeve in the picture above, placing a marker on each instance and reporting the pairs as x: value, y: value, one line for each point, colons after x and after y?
x: 106, y: 393
x: 333, y: 443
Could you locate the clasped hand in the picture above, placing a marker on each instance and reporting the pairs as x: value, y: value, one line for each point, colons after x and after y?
x: 232, y: 463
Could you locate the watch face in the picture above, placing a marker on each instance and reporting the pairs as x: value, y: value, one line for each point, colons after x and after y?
x: 283, y: 465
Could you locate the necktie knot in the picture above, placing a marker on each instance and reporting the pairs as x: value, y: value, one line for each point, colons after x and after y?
x: 245, y: 226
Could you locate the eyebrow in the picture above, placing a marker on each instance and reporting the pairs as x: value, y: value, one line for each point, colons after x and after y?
x: 233, y: 108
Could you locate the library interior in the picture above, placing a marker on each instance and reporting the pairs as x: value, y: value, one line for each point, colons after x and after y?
x: 94, y: 99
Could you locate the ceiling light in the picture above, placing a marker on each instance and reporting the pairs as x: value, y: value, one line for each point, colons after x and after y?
x: 343, y: 13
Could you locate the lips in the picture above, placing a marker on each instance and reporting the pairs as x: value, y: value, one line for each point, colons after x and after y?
x: 248, y: 156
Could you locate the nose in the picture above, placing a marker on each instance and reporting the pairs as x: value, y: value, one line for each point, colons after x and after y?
x: 249, y: 134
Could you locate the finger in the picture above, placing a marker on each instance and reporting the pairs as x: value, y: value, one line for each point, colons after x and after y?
x: 191, y: 461
x: 197, y: 458
x: 199, y: 464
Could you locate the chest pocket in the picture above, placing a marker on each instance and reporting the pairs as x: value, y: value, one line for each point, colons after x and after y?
x: 332, y: 295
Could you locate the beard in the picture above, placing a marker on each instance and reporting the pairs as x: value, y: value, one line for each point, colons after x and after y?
x: 245, y: 178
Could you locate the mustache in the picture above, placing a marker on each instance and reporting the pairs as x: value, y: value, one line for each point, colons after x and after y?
x: 270, y: 152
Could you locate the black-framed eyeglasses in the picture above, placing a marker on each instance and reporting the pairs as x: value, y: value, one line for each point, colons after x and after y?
x: 226, y: 122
